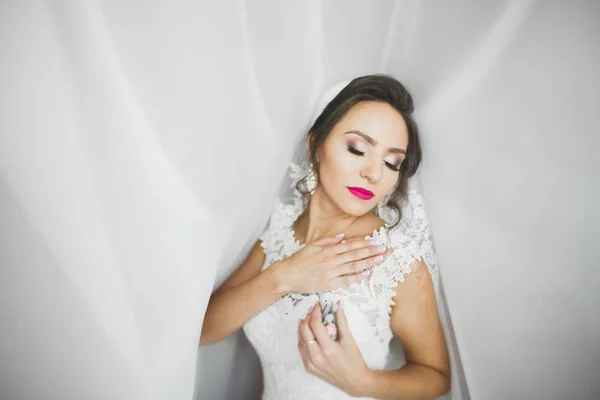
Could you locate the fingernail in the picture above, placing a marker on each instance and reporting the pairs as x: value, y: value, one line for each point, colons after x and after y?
x: 340, y: 235
x: 343, y: 241
x: 373, y: 242
x: 340, y: 305
x: 366, y: 272
x: 381, y: 249
x: 378, y: 259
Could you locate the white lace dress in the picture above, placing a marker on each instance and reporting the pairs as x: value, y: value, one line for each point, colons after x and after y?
x: 368, y: 304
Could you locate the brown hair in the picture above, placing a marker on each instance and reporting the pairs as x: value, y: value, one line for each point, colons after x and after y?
x: 381, y: 88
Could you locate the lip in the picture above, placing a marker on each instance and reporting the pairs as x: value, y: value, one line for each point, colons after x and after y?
x: 361, y: 193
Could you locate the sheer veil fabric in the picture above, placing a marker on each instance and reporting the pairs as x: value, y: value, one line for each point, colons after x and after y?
x: 142, y: 149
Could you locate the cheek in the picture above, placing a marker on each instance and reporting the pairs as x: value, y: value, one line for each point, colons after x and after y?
x: 390, y: 184
x: 337, y: 166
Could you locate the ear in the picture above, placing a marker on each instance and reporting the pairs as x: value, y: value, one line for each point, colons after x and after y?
x: 309, y: 139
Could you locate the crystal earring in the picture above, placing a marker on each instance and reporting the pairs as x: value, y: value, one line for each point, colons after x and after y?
x: 311, y: 180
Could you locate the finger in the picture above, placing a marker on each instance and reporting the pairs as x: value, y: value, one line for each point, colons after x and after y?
x: 301, y: 337
x: 358, y: 266
x: 359, y: 254
x: 314, y: 348
x: 352, y: 239
x: 309, y: 365
x: 306, y: 340
x: 329, y: 240
x: 346, y: 280
x: 352, y: 244
x: 304, y: 331
x: 342, y: 324
x: 304, y: 351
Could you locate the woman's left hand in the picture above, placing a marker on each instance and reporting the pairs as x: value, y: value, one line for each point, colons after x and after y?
x: 338, y: 362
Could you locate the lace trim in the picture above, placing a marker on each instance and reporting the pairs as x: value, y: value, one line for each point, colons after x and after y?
x: 410, y: 241
x: 278, y: 239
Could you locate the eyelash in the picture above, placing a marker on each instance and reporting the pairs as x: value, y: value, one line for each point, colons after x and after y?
x: 360, y: 153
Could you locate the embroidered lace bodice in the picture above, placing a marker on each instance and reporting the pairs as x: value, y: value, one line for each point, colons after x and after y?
x: 368, y: 304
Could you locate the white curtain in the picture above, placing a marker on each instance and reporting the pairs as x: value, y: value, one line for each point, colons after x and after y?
x: 142, y: 144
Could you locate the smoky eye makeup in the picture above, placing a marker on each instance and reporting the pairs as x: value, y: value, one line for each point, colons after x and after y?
x: 355, y: 148
x: 394, y: 161
x: 393, y: 166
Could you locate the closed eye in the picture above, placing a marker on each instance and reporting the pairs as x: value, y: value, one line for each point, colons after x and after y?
x: 354, y: 151
x: 391, y: 166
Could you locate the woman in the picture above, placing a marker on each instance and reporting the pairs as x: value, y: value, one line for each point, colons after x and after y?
x: 363, y: 148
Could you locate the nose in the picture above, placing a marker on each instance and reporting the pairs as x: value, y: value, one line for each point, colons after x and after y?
x: 372, y: 170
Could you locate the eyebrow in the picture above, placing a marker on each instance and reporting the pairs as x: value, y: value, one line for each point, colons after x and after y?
x: 374, y: 142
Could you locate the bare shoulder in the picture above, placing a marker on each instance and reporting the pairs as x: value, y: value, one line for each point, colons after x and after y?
x: 419, y: 279
x: 415, y: 292
x: 365, y: 225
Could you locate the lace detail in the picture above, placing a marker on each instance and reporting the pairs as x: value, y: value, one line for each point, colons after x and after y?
x: 278, y: 239
x: 368, y: 303
x: 409, y: 242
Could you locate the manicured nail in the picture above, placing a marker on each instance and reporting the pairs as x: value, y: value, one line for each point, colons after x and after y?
x: 340, y: 306
x: 378, y: 259
x: 373, y: 242
x: 366, y: 272
x: 381, y: 249
x: 340, y: 235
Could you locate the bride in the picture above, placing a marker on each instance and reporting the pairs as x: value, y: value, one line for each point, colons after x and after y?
x: 355, y: 243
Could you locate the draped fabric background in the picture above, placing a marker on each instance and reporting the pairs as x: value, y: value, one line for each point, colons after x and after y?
x: 142, y: 144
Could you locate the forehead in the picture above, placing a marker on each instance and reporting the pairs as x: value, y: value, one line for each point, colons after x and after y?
x: 377, y: 119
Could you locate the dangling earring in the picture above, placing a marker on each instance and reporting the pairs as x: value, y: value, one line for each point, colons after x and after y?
x: 311, y: 180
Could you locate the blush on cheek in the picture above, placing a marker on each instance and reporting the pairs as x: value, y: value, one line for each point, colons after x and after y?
x: 339, y: 169
x: 333, y: 179
x: 339, y: 173
x: 345, y: 163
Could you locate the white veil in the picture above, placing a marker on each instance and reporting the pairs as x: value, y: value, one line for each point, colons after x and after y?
x: 134, y: 140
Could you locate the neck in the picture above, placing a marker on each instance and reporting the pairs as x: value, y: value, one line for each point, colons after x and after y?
x: 323, y: 218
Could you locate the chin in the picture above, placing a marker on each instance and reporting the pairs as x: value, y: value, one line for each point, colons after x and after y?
x: 352, y: 208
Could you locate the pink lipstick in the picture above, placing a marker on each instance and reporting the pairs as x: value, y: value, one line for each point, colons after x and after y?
x: 361, y: 193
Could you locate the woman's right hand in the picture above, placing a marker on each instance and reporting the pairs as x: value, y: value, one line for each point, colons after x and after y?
x: 328, y: 264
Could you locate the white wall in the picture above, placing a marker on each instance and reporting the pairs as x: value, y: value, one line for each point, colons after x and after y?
x: 134, y: 138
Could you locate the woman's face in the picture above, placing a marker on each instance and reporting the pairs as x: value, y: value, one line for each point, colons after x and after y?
x: 361, y: 156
